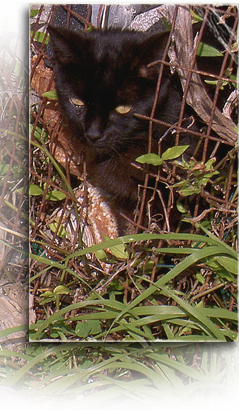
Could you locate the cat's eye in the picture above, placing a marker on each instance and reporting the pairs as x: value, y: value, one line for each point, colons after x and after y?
x: 77, y: 102
x: 123, y: 109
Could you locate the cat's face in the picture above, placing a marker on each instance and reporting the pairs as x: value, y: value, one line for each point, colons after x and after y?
x: 102, y: 80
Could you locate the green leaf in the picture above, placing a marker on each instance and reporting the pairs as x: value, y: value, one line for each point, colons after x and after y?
x: 181, y: 208
x: 200, y: 278
x: 196, y: 17
x: 61, y: 290
x: 61, y: 231
x: 219, y: 269
x: 101, y: 255
x: 55, y: 195
x: 209, y: 164
x: 83, y: 329
x: 39, y: 133
x: 204, y: 50
x: 234, y: 78
x: 189, y: 191
x: 95, y: 327
x: 35, y: 190
x: 39, y: 36
x: 119, y: 251
x: 52, y: 95
x: 211, y: 82
x: 174, y: 152
x: 3, y: 169
x: 153, y: 159
x: 34, y: 13
x: 47, y: 294
x: 229, y: 264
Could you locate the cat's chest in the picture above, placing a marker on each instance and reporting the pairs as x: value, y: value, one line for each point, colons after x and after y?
x: 117, y: 177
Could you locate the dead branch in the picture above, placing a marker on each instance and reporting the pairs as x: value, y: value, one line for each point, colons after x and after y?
x: 196, y: 96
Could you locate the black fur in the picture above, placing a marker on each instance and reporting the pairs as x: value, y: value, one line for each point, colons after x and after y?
x: 106, y: 70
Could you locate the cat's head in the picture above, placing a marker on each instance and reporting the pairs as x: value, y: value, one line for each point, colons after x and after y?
x: 103, y: 79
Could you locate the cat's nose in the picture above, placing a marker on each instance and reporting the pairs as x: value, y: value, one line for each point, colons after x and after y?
x: 94, y: 131
x: 93, y: 135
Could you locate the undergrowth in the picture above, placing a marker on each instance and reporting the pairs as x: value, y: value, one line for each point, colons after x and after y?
x: 102, y: 373
x: 139, y: 287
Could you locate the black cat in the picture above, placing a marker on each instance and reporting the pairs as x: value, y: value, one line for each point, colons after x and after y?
x: 102, y: 81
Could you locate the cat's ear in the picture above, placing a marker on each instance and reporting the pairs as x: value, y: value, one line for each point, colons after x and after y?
x: 64, y: 43
x: 152, y: 49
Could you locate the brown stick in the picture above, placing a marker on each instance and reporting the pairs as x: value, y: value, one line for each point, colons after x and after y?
x: 197, y: 96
